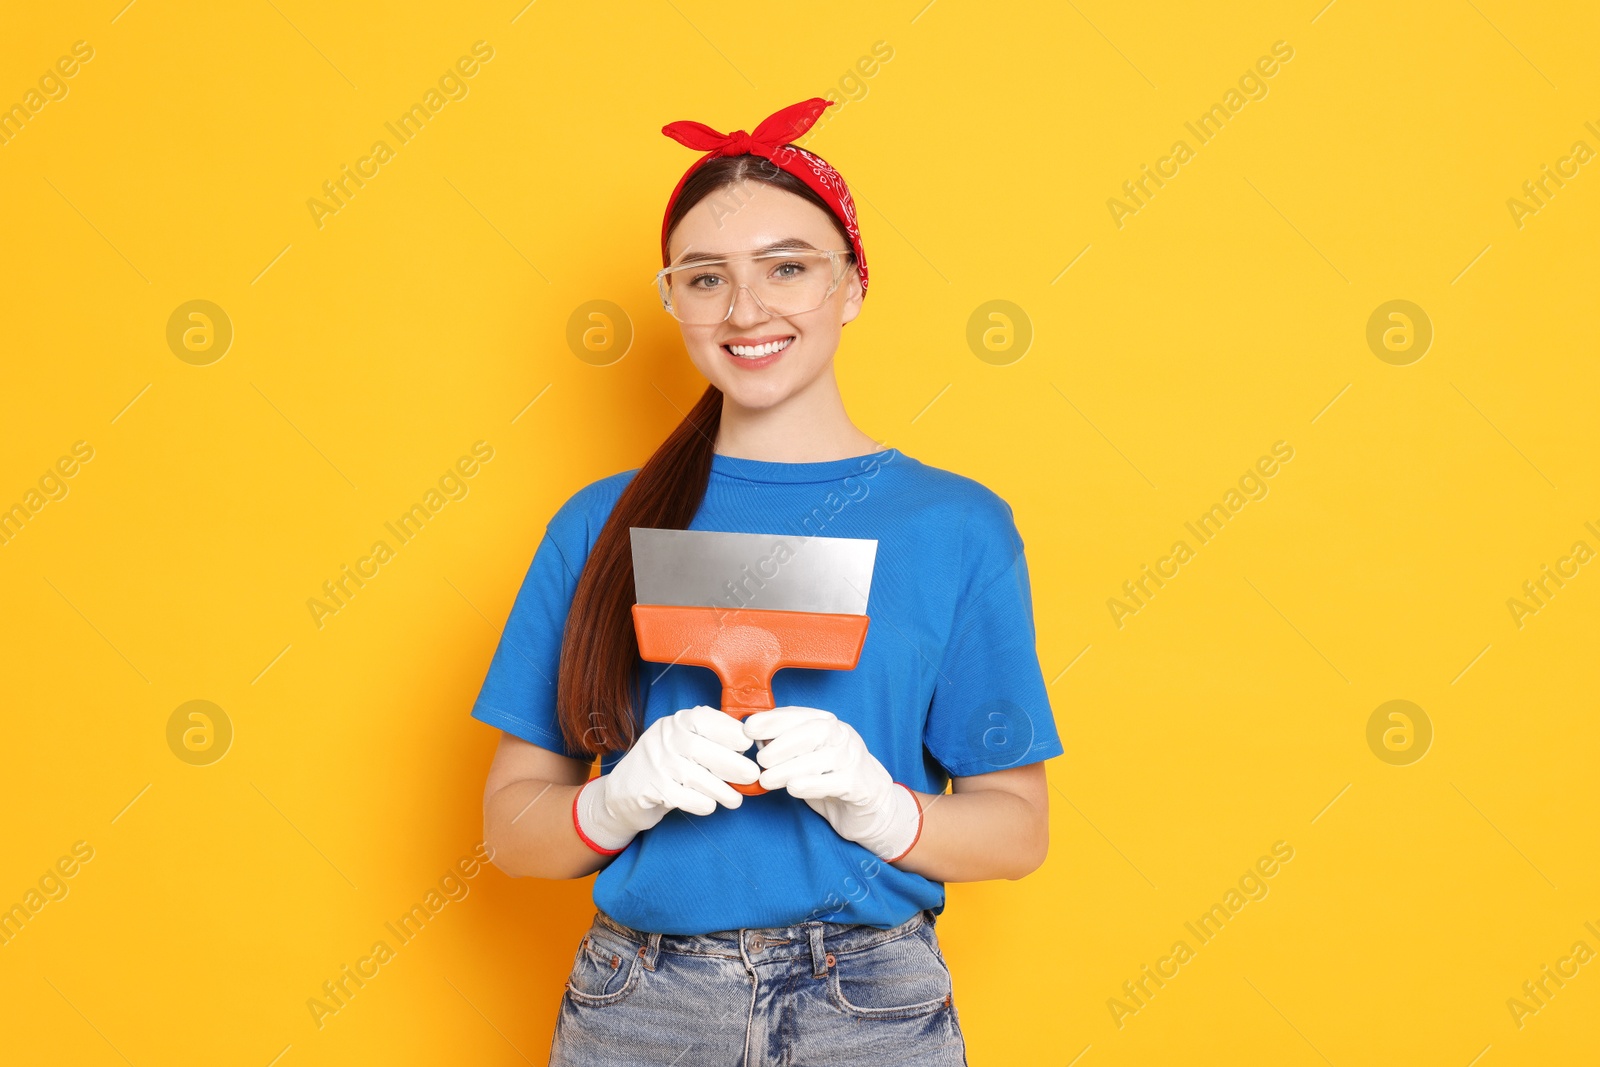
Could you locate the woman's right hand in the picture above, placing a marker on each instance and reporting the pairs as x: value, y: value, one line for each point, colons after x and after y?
x: 684, y: 760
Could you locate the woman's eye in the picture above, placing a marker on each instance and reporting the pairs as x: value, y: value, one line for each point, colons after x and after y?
x: 704, y: 281
x: 789, y: 269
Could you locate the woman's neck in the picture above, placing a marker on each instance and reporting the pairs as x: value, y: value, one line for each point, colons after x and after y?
x: 809, y: 427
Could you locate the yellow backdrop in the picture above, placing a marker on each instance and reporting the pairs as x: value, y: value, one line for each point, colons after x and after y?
x: 1274, y: 322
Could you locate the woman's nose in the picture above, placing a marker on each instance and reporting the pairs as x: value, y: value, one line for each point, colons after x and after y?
x: 747, y: 312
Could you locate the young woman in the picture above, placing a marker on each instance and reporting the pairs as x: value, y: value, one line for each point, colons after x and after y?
x: 795, y: 925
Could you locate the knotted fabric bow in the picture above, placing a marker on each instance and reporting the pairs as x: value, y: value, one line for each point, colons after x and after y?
x: 772, y: 140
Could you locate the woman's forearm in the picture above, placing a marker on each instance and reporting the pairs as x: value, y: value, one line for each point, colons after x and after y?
x: 967, y: 836
x: 527, y: 825
x: 978, y: 835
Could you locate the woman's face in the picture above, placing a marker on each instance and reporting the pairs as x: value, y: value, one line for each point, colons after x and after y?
x: 750, y: 217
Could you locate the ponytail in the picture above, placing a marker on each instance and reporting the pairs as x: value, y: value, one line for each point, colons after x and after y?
x: 596, y: 690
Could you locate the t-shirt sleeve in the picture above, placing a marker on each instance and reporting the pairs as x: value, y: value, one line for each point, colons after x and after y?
x: 519, y: 691
x: 990, y: 709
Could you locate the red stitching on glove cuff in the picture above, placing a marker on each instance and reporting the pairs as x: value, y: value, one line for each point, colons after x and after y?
x: 918, y: 834
x: 576, y: 826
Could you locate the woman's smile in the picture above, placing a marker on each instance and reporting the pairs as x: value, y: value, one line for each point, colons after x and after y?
x: 753, y: 353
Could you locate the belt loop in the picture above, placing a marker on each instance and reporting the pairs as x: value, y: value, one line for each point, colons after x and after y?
x: 819, y: 955
x: 650, y: 950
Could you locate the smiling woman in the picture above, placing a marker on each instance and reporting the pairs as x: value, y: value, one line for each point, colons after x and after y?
x: 825, y: 950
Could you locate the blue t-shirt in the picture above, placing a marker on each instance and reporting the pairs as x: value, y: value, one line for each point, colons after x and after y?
x: 948, y: 684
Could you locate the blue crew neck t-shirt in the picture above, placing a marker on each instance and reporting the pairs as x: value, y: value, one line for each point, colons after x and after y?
x: 948, y: 684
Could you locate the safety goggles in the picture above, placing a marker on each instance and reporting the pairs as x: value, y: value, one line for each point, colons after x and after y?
x: 784, y: 282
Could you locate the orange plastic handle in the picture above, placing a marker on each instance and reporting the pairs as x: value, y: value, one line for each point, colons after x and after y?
x: 746, y: 647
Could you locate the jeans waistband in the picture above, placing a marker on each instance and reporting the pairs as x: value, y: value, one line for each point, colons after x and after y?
x: 808, y: 939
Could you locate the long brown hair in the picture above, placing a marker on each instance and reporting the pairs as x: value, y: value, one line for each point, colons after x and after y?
x: 598, y: 698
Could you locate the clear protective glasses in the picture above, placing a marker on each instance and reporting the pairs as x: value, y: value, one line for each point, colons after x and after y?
x: 786, y: 281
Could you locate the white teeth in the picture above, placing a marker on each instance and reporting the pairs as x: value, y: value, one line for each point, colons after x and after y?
x: 754, y: 351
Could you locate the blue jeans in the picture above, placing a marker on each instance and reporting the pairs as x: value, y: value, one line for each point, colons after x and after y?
x: 807, y: 995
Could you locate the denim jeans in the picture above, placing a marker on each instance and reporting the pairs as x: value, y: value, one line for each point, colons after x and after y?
x: 808, y: 995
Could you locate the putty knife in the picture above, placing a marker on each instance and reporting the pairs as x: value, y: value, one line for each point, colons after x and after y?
x: 747, y: 605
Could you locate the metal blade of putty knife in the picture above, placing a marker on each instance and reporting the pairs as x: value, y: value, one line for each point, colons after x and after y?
x: 736, y: 571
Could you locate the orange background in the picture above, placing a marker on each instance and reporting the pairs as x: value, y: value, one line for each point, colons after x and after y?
x: 1165, y: 356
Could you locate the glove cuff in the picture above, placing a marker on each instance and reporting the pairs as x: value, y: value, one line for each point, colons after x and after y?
x: 588, y: 811
x: 907, y: 822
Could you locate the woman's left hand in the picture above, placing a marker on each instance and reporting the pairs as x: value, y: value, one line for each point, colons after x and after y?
x: 821, y: 759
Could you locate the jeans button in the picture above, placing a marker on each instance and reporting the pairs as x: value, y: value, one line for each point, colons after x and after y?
x: 757, y: 943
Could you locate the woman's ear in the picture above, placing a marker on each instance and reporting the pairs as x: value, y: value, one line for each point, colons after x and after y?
x: 854, y: 294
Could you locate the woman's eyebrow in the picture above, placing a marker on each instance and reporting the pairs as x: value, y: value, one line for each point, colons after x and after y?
x: 775, y: 246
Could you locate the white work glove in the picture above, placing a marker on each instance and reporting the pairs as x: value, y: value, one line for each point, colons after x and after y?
x: 683, y: 760
x: 821, y: 759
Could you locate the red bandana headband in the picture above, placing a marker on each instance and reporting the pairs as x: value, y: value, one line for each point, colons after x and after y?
x: 771, y: 140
